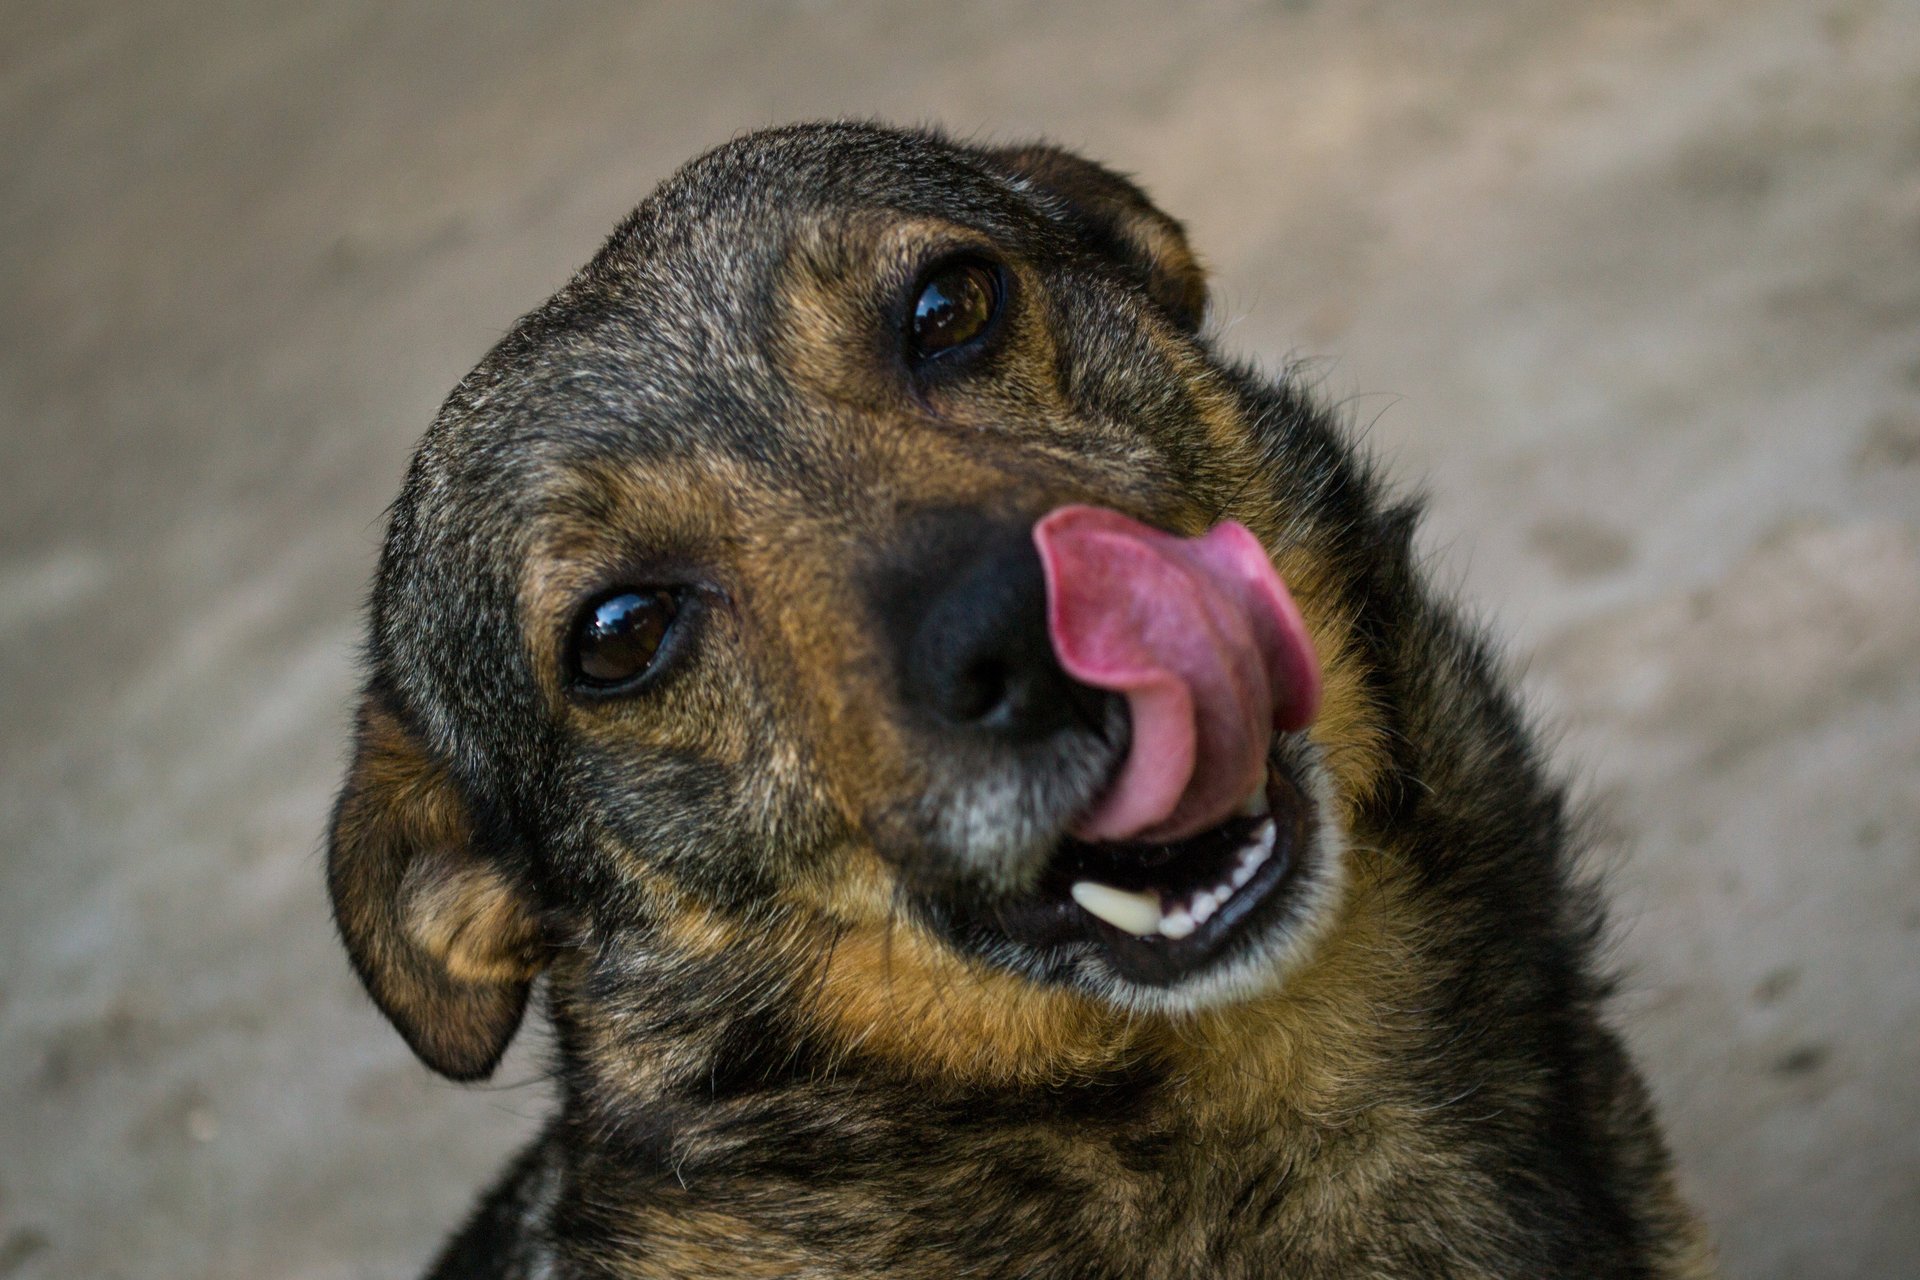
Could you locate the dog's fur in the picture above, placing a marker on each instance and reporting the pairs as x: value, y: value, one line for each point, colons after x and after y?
x: 789, y: 1041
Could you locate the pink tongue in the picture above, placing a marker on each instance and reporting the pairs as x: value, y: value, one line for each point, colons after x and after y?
x: 1208, y: 648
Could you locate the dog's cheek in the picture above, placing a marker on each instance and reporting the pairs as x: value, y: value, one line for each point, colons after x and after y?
x: 1151, y: 397
x: 1351, y: 728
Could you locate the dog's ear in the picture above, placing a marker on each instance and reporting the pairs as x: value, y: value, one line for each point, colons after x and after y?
x: 1117, y: 216
x: 446, y: 943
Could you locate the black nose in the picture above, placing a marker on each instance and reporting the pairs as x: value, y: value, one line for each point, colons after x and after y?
x: 977, y: 655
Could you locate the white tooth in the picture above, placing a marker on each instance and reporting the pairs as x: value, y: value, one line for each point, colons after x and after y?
x: 1203, y: 906
x: 1244, y: 872
x: 1262, y: 847
x: 1137, y: 913
x: 1177, y: 923
x: 1255, y: 805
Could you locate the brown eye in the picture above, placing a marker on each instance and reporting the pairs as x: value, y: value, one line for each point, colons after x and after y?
x: 956, y: 306
x: 618, y: 636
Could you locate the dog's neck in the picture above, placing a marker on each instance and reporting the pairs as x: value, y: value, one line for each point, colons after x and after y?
x: 745, y: 1108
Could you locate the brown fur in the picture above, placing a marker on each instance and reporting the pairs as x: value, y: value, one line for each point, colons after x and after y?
x: 789, y: 1041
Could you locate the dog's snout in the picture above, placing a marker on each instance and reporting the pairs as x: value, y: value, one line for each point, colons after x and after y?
x: 978, y: 656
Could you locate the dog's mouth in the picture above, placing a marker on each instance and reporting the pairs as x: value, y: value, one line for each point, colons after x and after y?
x: 1206, y: 820
x: 1162, y: 911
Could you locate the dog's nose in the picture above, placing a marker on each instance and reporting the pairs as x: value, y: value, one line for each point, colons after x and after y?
x: 978, y: 657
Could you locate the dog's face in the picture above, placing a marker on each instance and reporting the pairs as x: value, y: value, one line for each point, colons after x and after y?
x: 714, y: 644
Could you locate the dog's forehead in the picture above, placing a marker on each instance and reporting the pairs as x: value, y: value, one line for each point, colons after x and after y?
x: 702, y: 248
x: 660, y: 344
x: 757, y: 185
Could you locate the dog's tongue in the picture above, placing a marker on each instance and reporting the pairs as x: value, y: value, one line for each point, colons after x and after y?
x: 1202, y: 639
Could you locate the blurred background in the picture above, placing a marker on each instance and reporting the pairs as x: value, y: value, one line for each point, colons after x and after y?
x: 1631, y: 288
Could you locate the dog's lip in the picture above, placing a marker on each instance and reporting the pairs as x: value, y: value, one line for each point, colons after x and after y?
x: 1049, y: 917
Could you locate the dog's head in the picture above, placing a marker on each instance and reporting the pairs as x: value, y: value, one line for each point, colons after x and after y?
x: 853, y: 597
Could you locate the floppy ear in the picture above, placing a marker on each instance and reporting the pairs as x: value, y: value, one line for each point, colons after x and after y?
x: 1120, y: 220
x: 446, y: 943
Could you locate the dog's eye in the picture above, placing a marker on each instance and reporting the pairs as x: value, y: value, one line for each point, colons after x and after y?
x: 618, y: 635
x: 957, y: 304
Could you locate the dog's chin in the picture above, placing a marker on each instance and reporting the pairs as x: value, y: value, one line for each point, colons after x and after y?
x: 1239, y: 906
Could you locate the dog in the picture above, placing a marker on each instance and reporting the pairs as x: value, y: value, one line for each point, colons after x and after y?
x: 980, y: 776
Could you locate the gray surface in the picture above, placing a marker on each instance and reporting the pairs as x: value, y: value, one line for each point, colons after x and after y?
x: 1632, y: 288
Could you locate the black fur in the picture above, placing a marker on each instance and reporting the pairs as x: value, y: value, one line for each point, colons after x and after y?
x: 718, y: 403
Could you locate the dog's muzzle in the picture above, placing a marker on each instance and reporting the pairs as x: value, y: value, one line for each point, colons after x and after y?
x: 1113, y: 714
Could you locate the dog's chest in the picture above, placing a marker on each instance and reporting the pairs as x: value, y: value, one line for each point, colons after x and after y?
x: 1034, y: 1200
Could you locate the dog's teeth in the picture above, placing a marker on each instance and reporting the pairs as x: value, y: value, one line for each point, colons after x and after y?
x: 1177, y: 923
x: 1255, y: 805
x: 1136, y: 913
x: 1203, y: 906
x: 1261, y: 847
x: 1244, y: 872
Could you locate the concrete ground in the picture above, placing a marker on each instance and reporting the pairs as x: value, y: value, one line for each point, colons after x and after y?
x: 1632, y: 288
